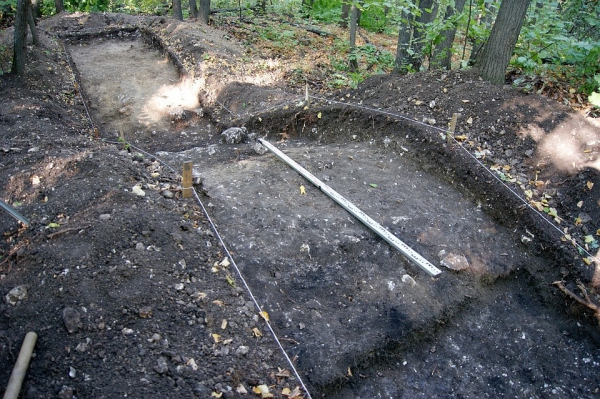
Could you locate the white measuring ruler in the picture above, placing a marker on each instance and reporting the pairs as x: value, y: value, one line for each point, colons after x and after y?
x: 357, y: 213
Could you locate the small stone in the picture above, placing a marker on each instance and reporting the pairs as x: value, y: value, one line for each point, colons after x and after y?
x: 260, y: 149
x: 301, y: 326
x: 72, y: 319
x: 168, y: 194
x: 161, y: 365
x: 529, y: 153
x: 105, y: 216
x: 179, y: 286
x: 145, y: 312
x: 139, y: 246
x: 406, y: 279
x: 72, y: 372
x: 455, y: 262
x: 17, y: 294
x: 234, y: 135
x: 137, y: 190
x: 242, y: 350
x: 127, y: 331
x: 66, y: 392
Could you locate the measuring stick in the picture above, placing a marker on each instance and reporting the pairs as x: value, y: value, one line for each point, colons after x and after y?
x: 357, y: 213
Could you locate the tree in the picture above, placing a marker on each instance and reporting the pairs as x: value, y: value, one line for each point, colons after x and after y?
x: 20, y: 38
x: 31, y: 22
x: 205, y: 11
x: 498, y: 50
x: 60, y: 7
x: 427, y: 12
x: 353, y: 23
x: 177, y: 12
x: 443, y: 51
x: 193, y: 9
x: 403, y: 47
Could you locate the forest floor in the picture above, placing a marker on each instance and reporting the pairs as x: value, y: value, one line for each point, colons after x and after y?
x: 133, y: 294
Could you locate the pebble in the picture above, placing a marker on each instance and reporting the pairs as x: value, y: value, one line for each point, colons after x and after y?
x: 72, y: 319
x: 242, y: 350
x: 168, y: 194
x: 260, y: 149
x: 161, y: 365
x: 234, y: 135
x: 105, y: 216
x: 455, y: 262
x: 17, y: 294
x: 139, y: 246
x: 137, y: 190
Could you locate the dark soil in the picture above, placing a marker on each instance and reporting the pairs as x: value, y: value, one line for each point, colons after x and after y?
x: 135, y: 295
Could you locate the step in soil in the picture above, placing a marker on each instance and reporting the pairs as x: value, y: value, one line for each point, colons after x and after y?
x: 356, y: 316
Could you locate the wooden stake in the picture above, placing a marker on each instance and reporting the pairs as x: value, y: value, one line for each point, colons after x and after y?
x: 187, y: 179
x: 307, y: 97
x: 450, y: 134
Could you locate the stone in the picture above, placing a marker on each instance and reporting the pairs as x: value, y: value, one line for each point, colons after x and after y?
x: 72, y: 319
x: 234, y: 135
x: 260, y: 149
x: 137, y: 190
x: 17, y: 294
x: 161, y: 365
x: 168, y: 194
x: 242, y: 350
x: 105, y: 216
x: 455, y: 262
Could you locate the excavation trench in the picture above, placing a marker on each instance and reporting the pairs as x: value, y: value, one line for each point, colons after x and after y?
x: 360, y: 319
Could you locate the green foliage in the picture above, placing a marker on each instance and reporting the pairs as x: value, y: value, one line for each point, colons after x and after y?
x: 594, y: 98
x: 7, y: 8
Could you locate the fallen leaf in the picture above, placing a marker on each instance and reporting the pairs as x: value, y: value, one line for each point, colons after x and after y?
x: 52, y: 225
x: 216, y: 394
x: 466, y: 101
x: 528, y: 194
x: 589, y: 239
x: 418, y: 102
x: 216, y: 337
x: 590, y: 185
x: 349, y: 372
x: 470, y: 121
x: 461, y: 138
x: 579, y: 204
x: 230, y: 280
x: 283, y: 373
x: 598, y: 232
x: 218, y: 303
x: 241, y: 390
x: 286, y: 391
x: 264, y: 315
x: 225, y: 262
x: 257, y: 332
x: 373, y: 185
x: 224, y: 324
x: 302, y: 190
x: 587, y: 261
x: 319, y: 115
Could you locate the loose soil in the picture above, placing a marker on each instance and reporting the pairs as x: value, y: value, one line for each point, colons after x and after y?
x: 134, y: 295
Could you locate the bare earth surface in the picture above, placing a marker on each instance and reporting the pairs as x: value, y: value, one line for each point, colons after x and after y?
x: 134, y: 295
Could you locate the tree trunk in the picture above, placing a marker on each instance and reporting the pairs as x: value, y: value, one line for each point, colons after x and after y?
x: 60, y: 7
x: 345, y: 15
x: 20, y: 38
x: 443, y: 51
x: 402, y: 54
x: 353, y: 23
x: 419, y: 31
x: 35, y: 6
x: 31, y: 23
x: 177, y: 12
x: 204, y: 13
x: 193, y: 9
x: 501, y: 44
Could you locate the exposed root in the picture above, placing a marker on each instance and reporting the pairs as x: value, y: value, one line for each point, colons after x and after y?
x: 586, y: 301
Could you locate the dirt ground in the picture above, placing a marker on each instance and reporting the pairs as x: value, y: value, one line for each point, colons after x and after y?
x: 132, y: 293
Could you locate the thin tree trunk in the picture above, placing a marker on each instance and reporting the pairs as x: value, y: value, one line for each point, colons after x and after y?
x: 35, y: 6
x: 443, y: 51
x: 345, y: 15
x: 193, y: 9
x: 20, y: 38
x: 500, y: 46
x: 177, y: 12
x: 353, y: 23
x: 404, y: 35
x: 204, y: 12
x: 60, y: 7
x: 31, y: 22
x: 419, y: 32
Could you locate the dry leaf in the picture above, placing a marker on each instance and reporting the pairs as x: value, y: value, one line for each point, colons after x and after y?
x: 283, y: 373
x: 224, y: 324
x: 218, y: 303
x: 579, y: 204
x: 257, y: 332
x: 590, y: 185
x: 216, y: 337
x: 418, y: 102
x: 466, y: 101
x: 225, y: 262
x: 319, y: 115
x: 349, y: 372
x: 264, y: 315
x: 461, y: 138
x: 470, y: 121
x: 216, y: 394
x: 302, y: 190
x: 286, y: 391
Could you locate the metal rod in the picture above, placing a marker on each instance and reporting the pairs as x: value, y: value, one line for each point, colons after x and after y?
x: 13, y: 212
x: 18, y: 374
x: 357, y: 213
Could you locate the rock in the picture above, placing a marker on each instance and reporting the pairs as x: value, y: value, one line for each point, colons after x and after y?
x: 584, y: 217
x: 260, y: 149
x: 139, y: 246
x: 105, y: 216
x: 455, y: 262
x: 72, y: 319
x: 161, y: 365
x: 137, y: 190
x: 17, y: 294
x: 66, y: 392
x: 234, y: 135
x: 406, y: 279
x: 168, y: 194
x: 242, y: 350
x: 137, y: 157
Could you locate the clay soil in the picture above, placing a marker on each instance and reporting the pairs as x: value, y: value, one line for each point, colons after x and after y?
x: 137, y: 291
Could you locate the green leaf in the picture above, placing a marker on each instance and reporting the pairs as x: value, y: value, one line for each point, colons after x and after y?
x: 52, y: 225
x: 594, y: 99
x: 373, y: 185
